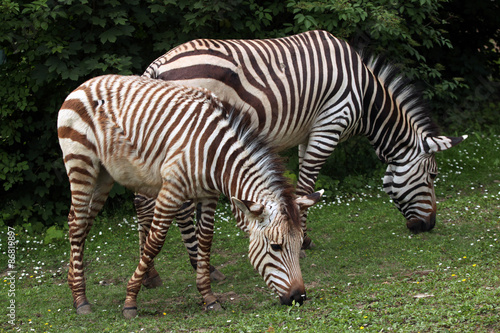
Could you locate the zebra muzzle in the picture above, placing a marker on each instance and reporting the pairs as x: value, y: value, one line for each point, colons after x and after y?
x: 296, y: 296
x: 417, y: 225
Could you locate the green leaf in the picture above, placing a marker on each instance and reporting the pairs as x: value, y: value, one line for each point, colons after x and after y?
x: 110, y: 35
x: 53, y: 234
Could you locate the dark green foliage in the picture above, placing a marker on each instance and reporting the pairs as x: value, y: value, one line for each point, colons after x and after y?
x: 48, y: 48
x: 471, y: 69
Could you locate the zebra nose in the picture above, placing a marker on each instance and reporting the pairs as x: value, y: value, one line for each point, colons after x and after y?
x: 417, y: 225
x: 296, y: 296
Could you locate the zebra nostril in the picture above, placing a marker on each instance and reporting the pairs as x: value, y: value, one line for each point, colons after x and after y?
x: 299, y: 298
x: 296, y: 296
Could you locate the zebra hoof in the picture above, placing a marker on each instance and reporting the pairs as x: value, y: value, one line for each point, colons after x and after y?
x: 153, y: 282
x: 216, y: 275
x: 215, y: 306
x: 84, y: 309
x: 129, y: 313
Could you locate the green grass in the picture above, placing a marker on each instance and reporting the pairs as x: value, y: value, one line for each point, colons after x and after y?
x: 366, y: 273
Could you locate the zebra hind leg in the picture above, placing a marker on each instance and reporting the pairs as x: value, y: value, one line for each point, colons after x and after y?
x: 76, y: 278
x: 88, y: 195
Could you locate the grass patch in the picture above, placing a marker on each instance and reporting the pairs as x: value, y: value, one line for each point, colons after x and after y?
x: 366, y: 273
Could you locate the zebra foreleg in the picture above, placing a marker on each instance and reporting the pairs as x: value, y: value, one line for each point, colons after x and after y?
x: 144, y: 207
x: 204, y: 233
x: 307, y: 243
x: 165, y: 209
x: 311, y: 159
x: 152, y: 278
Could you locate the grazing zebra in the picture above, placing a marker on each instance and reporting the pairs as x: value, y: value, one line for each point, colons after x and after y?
x: 313, y: 90
x: 176, y: 144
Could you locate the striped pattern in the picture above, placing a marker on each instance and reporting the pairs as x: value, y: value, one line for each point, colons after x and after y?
x: 313, y: 90
x: 176, y: 144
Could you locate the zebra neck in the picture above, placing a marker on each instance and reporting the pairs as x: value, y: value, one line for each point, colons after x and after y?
x: 246, y: 170
x: 393, y: 122
x: 240, y: 175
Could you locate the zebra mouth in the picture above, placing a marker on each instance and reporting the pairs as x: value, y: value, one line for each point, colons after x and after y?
x: 417, y: 225
x: 295, y: 296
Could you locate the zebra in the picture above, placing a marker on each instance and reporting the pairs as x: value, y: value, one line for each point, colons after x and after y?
x: 314, y: 90
x: 176, y: 144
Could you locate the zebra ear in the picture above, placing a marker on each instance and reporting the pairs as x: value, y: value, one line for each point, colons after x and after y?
x: 309, y: 200
x: 249, y: 208
x: 433, y: 144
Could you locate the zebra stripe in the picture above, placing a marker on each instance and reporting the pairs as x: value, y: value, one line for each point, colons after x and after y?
x: 314, y: 90
x: 175, y: 144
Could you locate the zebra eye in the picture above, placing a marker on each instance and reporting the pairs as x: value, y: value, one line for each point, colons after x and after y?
x: 276, y: 247
x: 433, y: 175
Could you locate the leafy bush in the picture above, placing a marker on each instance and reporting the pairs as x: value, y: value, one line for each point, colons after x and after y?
x: 476, y: 110
x: 49, y: 50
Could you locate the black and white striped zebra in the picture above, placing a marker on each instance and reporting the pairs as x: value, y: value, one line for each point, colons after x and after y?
x: 176, y: 144
x: 314, y: 90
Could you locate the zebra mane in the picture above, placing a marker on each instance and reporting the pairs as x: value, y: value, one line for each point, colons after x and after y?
x: 405, y: 93
x: 266, y: 161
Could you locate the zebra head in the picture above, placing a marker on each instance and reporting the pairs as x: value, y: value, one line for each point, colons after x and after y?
x: 411, y: 184
x: 275, y: 242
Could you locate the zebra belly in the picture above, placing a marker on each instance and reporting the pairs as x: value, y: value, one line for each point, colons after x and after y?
x: 135, y: 175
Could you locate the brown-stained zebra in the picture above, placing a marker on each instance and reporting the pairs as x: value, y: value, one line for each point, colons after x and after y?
x: 177, y: 144
x: 314, y: 90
